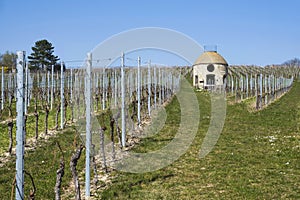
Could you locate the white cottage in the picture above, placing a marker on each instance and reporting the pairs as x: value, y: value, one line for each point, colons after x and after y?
x: 210, y: 69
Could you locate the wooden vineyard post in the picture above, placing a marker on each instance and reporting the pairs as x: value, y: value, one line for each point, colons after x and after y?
x: 103, y: 89
x: 139, y: 91
x: 76, y: 85
x: 129, y: 81
x: 255, y: 85
x: 260, y: 90
x: 52, y: 85
x: 20, y: 135
x: 62, y: 97
x: 2, y: 88
x: 123, y: 101
x: 251, y: 85
x: 270, y: 88
x: 149, y: 88
x: 115, y: 88
x: 159, y: 85
x: 266, y: 90
x: 236, y: 88
x: 48, y: 87
x: 26, y: 87
x: 71, y: 96
x: 256, y: 92
x: 232, y: 83
x: 163, y: 86
x: 247, y: 86
x: 154, y: 85
x: 275, y: 86
x: 88, y: 124
x: 242, y: 86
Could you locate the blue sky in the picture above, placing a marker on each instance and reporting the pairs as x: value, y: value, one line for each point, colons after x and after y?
x: 246, y: 32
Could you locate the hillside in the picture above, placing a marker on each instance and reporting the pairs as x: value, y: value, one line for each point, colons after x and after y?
x: 257, y: 156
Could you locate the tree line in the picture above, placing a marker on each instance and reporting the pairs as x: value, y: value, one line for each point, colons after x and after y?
x: 41, y: 58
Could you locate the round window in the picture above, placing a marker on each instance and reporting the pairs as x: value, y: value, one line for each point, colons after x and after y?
x: 210, y: 68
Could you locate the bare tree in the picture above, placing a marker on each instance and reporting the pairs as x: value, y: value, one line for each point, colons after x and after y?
x: 102, y: 129
x: 95, y: 180
x: 118, y: 129
x: 32, y: 192
x: 10, y: 123
x: 36, y: 115
x: 36, y: 93
x: 112, y: 124
x: 56, y: 116
x: 73, y: 163
x: 46, y: 108
x: 59, y: 174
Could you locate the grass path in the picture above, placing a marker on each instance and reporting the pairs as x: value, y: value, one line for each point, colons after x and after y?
x: 256, y: 157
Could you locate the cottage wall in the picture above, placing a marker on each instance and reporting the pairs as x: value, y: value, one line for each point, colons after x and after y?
x: 201, y: 76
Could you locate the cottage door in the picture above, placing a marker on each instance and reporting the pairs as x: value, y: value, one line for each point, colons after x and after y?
x: 210, y: 79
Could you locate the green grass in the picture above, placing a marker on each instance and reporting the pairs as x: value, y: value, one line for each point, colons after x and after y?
x: 43, y: 161
x: 256, y: 157
x: 30, y: 125
x: 42, y: 164
x: 170, y: 128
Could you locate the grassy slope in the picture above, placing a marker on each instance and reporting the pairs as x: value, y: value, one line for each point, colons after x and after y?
x: 256, y: 157
x: 42, y: 165
x: 247, y: 162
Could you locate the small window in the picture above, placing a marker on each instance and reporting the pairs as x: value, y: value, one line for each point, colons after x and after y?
x: 210, y: 68
x: 196, y: 79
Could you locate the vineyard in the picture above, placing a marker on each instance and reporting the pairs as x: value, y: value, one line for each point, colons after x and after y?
x: 265, y: 84
x: 53, y: 117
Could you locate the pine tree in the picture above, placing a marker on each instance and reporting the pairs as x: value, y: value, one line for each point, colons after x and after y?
x: 42, y: 56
